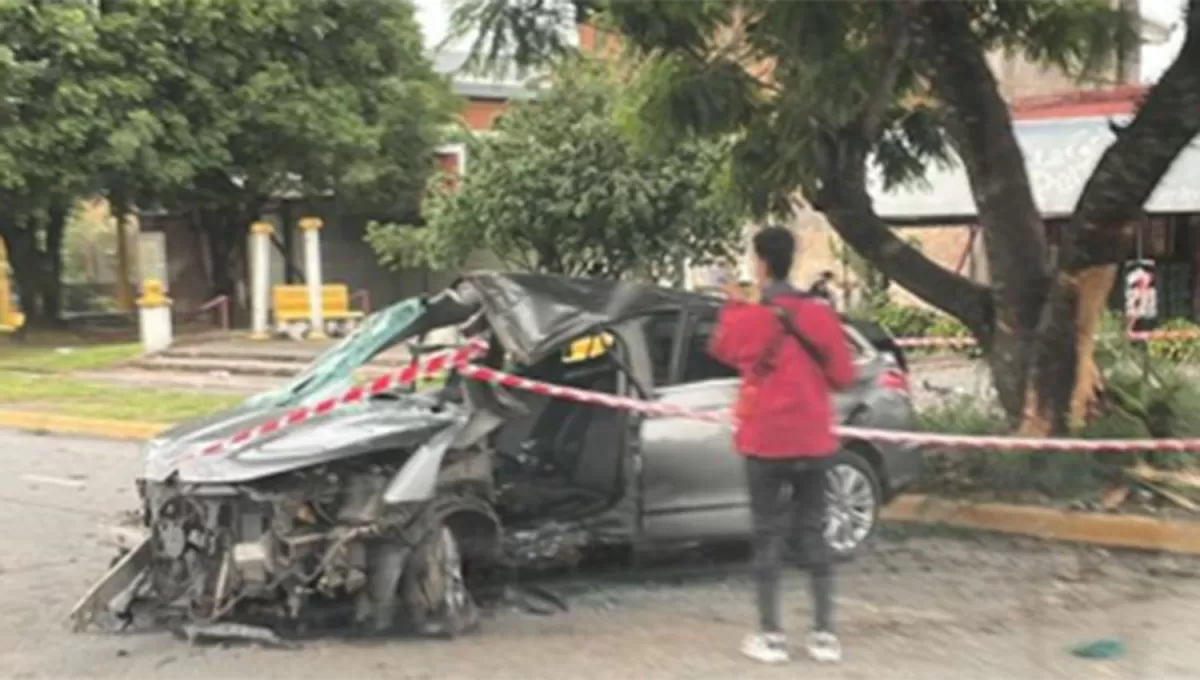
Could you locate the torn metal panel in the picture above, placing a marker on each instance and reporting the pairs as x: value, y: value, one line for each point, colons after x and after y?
x: 124, y: 576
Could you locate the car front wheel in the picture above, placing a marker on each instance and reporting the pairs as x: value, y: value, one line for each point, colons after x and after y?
x: 854, y: 498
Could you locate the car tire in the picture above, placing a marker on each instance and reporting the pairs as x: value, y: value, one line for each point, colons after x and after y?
x: 855, y: 497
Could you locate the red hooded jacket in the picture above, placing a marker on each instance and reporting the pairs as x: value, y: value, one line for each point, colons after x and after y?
x: 789, y: 410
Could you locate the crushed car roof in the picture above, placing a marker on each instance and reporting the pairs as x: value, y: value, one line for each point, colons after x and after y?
x: 534, y: 314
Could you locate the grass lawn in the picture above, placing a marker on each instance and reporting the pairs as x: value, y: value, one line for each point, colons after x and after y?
x: 70, y: 396
x: 39, y: 358
x: 35, y: 375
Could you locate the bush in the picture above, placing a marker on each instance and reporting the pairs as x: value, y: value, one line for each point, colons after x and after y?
x: 1177, y: 350
x: 905, y: 321
x: 908, y: 321
x: 1141, y: 400
x: 948, y: 327
x: 1010, y: 475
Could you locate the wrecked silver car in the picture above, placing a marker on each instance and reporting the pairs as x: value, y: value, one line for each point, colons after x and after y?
x: 378, y: 514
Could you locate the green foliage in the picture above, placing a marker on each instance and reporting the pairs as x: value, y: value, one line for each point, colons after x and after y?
x: 872, y: 289
x: 1143, y: 398
x: 560, y: 189
x: 259, y: 97
x: 1014, y: 475
x: 1176, y: 349
x: 211, y: 108
x: 1151, y: 396
x: 948, y: 327
x: 825, y: 59
x: 906, y: 321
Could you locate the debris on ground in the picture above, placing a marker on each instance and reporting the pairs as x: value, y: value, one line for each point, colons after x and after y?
x: 1104, y: 648
x: 227, y: 632
x: 535, y: 599
x: 1114, y: 496
x: 1168, y: 485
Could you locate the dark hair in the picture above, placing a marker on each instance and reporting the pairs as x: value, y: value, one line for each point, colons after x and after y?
x: 776, y: 247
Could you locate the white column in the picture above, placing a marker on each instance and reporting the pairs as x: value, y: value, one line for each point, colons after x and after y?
x: 154, y: 317
x: 260, y: 279
x: 311, y: 226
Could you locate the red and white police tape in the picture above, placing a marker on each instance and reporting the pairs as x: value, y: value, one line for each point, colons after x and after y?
x: 1136, y: 336
x: 433, y: 365
x: 920, y: 439
x: 460, y: 360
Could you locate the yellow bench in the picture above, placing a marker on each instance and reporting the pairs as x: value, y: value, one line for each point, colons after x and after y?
x: 289, y: 304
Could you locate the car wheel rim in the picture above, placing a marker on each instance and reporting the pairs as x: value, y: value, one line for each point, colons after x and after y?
x: 852, y: 505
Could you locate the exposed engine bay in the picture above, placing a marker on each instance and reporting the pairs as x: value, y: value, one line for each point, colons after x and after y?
x: 315, y: 546
x: 380, y: 523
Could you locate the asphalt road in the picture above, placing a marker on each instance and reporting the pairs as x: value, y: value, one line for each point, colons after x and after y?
x: 916, y: 606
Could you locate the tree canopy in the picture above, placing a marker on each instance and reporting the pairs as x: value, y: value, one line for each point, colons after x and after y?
x: 821, y: 94
x: 559, y: 188
x: 211, y: 109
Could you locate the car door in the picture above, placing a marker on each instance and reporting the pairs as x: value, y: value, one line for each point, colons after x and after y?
x: 692, y: 481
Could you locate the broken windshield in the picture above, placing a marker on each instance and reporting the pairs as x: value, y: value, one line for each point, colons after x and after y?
x: 335, y: 367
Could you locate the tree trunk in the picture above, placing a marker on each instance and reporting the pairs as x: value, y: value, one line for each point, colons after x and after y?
x: 845, y: 202
x: 32, y: 274
x: 56, y: 227
x: 120, y: 212
x: 226, y: 232
x: 842, y: 197
x: 226, y: 258
x: 1013, y: 230
x: 1099, y: 236
x: 23, y: 261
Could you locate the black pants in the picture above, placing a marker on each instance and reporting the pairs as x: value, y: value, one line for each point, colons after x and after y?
x: 788, y: 504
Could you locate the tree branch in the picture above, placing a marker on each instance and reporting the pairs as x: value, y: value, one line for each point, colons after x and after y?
x: 984, y: 138
x: 1098, y: 235
x: 897, y: 39
x: 1130, y: 169
x: 844, y: 200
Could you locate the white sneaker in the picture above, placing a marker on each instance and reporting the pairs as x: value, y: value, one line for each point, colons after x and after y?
x: 766, y: 647
x: 824, y: 647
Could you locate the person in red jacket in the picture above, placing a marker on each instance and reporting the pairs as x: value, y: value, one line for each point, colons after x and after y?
x: 791, y: 353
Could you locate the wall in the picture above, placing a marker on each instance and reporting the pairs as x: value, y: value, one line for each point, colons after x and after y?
x: 1021, y: 78
x: 480, y: 114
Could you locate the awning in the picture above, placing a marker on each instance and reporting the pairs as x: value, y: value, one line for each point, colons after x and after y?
x: 1060, y: 155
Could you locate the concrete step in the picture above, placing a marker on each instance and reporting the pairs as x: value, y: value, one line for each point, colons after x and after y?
x: 243, y: 367
x: 216, y: 383
x: 300, y: 354
x: 218, y: 366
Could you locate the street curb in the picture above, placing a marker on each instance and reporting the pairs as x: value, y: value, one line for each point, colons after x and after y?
x: 51, y: 423
x: 1113, y: 531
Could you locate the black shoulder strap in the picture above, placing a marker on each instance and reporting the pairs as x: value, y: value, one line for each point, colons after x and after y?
x: 789, y: 327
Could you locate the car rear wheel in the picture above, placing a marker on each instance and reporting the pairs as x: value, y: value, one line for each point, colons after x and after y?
x: 855, y: 497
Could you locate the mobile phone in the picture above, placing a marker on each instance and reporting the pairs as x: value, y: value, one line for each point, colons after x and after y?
x: 718, y: 277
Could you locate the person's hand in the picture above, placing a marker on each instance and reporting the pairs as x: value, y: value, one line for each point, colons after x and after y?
x: 733, y: 290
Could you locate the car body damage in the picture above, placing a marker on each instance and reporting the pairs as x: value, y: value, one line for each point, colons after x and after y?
x: 377, y: 515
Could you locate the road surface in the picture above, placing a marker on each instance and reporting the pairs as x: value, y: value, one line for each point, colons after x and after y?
x: 917, y: 606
